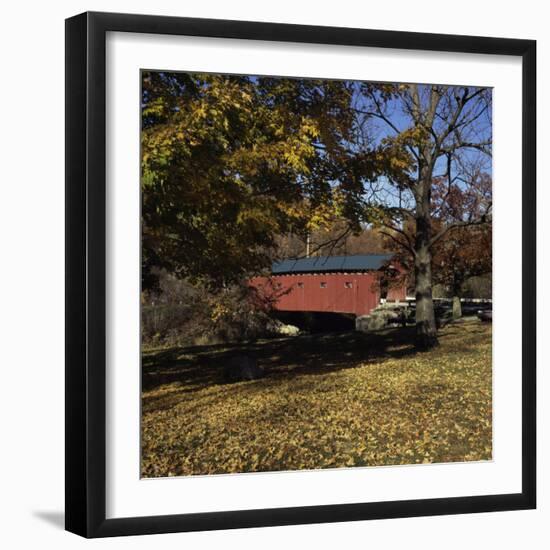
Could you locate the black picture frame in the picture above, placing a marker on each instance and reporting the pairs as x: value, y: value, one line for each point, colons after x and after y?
x: 86, y: 275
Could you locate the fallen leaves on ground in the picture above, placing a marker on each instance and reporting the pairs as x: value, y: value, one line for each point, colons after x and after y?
x: 321, y: 405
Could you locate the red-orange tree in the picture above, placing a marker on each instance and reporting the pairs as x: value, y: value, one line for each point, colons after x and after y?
x: 465, y: 251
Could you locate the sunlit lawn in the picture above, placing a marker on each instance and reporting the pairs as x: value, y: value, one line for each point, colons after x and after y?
x: 327, y: 401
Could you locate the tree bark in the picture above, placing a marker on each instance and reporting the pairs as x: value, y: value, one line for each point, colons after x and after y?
x: 426, y: 330
x: 457, y: 306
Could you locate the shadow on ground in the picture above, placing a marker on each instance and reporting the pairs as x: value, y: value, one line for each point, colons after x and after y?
x: 198, y: 366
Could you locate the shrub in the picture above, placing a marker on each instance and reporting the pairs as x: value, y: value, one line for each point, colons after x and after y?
x: 180, y: 313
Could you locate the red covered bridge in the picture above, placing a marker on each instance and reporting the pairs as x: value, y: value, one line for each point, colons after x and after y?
x: 337, y: 284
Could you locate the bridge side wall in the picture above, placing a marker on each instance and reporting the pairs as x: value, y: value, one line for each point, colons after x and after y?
x: 357, y: 293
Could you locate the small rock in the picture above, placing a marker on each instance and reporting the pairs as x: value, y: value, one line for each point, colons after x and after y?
x: 282, y: 329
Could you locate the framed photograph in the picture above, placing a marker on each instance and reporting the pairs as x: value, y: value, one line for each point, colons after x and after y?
x: 300, y: 274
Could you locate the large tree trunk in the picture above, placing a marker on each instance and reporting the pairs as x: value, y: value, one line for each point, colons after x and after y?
x: 426, y: 330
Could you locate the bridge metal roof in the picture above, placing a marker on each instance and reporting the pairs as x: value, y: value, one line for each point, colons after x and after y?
x: 363, y: 262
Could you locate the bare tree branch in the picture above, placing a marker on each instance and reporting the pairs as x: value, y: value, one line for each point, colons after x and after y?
x: 480, y: 221
x: 330, y: 242
x: 402, y: 244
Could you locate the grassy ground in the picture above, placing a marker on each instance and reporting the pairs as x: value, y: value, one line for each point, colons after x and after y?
x: 333, y: 400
